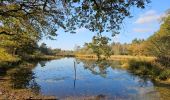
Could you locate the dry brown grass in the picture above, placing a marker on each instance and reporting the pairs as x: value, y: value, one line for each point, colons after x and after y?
x: 118, y: 57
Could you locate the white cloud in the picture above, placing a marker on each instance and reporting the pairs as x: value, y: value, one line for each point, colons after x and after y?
x: 141, y: 30
x: 148, y: 17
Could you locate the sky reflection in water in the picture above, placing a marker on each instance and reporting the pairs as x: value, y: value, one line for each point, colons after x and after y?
x: 69, y: 77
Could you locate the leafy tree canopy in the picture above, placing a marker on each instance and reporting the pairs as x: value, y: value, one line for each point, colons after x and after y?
x: 100, y: 46
x: 46, y: 16
x: 27, y: 21
x: 159, y: 43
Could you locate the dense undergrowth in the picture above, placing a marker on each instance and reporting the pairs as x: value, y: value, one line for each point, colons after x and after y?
x: 153, y: 70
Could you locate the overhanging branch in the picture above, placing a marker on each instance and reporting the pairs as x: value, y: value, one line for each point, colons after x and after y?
x: 5, y: 33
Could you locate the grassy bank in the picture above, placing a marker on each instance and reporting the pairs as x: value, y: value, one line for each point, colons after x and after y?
x: 117, y: 57
x: 42, y: 57
x: 142, y: 66
x: 15, y: 60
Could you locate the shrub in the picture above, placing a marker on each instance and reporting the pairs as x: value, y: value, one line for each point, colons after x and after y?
x: 153, y: 69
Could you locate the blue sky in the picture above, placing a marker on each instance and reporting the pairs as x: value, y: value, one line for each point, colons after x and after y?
x: 142, y: 25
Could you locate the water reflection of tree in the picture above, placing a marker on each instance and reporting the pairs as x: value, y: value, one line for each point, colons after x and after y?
x: 42, y: 63
x: 98, y: 67
x: 4, y: 69
x: 143, y: 80
x: 23, y: 77
x: 34, y: 86
x: 75, y: 74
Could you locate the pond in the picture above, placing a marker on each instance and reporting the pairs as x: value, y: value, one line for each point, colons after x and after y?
x: 75, y: 78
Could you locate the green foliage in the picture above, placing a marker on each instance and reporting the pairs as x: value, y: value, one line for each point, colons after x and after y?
x: 19, y: 37
x: 137, y: 41
x: 159, y: 43
x: 6, y: 57
x: 137, y: 47
x: 149, y: 69
x: 19, y: 44
x: 100, y: 15
x: 46, y: 16
x: 100, y: 46
x: 24, y: 23
x: 30, y: 17
x: 46, y: 50
x: 102, y: 65
x: 164, y: 75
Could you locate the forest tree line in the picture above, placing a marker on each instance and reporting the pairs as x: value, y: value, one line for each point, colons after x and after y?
x: 23, y: 23
x: 157, y: 45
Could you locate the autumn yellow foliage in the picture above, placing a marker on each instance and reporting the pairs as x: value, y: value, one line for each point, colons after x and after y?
x: 5, y: 57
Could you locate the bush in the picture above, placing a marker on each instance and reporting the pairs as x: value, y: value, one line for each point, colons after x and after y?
x: 6, y: 57
x: 153, y: 70
x: 164, y: 75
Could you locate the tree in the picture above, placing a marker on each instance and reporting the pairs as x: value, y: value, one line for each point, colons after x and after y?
x: 5, y: 57
x: 83, y: 50
x: 33, y: 16
x: 44, y: 49
x: 159, y: 43
x: 119, y: 49
x: 33, y: 19
x: 101, y: 15
x: 46, y: 16
x: 137, y: 41
x: 18, y: 44
x: 100, y: 46
x: 137, y: 47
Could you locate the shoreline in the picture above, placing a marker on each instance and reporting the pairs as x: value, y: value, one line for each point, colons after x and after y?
x: 118, y: 57
x: 127, y: 58
x: 7, y: 92
x: 6, y: 89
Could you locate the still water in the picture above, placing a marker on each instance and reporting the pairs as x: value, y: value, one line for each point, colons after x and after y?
x: 70, y: 77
